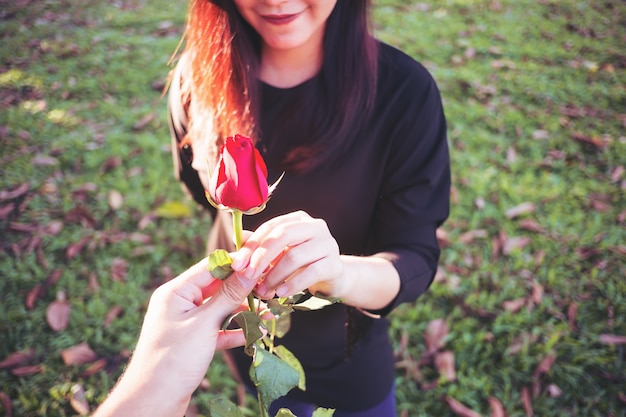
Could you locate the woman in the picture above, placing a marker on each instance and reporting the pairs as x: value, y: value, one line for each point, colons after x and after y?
x: 358, y: 129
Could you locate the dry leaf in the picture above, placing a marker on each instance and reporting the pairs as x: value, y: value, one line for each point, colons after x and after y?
x: 554, y: 390
x: 119, y: 267
x: 115, y: 199
x: 5, y: 211
x: 527, y: 402
x: 571, y: 315
x: 58, y: 313
x: 545, y: 365
x: 497, y: 410
x: 94, y: 368
x: 520, y: 210
x: 111, y: 163
x: 435, y: 335
x: 469, y: 236
x: 6, y: 404
x: 537, y: 293
x: 460, y: 409
x: 44, y: 160
x: 514, y: 305
x: 144, y: 121
x: 32, y: 296
x: 612, y: 339
x: 444, y: 362
x: 511, y: 244
x: 112, y: 315
x: 594, y: 142
x: 78, y: 401
x: 17, y: 358
x: 78, y: 355
x: 27, y: 370
x: 541, y: 134
x: 75, y: 248
x: 17, y: 192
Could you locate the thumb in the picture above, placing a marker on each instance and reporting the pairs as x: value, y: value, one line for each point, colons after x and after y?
x: 229, y: 296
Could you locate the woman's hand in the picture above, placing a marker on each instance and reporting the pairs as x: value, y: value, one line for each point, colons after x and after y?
x: 178, y: 339
x: 291, y: 253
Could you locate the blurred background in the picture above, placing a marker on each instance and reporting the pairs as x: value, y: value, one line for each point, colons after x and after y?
x: 527, y: 315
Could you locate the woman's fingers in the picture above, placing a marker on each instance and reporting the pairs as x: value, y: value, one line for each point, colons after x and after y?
x: 269, y: 241
x: 301, y: 267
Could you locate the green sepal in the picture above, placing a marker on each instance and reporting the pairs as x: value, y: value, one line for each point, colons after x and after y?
x: 220, y: 264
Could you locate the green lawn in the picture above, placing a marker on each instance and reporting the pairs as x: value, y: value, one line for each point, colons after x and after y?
x: 528, y: 312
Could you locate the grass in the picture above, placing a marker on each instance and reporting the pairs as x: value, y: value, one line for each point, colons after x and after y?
x: 535, y: 96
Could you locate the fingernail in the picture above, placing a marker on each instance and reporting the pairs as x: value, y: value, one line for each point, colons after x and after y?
x: 282, y: 291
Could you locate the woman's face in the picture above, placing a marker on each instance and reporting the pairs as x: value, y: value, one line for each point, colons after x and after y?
x: 287, y: 24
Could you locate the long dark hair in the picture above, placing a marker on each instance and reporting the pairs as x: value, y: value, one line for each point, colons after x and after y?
x: 222, y: 53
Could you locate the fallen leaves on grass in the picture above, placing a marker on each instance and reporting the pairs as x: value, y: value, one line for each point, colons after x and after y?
x: 58, y: 313
x: 542, y: 369
x: 444, y: 362
x: 6, y: 404
x: 520, y: 210
x: 78, y: 401
x: 460, y: 409
x: 14, y: 193
x: 112, y: 314
x: 435, y: 335
x: 497, y: 410
x: 80, y: 354
x: 27, y: 370
x: 527, y: 402
x: 40, y: 290
x: 119, y: 268
x: 612, y: 339
x: 17, y: 358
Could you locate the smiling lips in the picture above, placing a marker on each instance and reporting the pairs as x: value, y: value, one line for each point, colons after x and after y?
x: 280, y: 19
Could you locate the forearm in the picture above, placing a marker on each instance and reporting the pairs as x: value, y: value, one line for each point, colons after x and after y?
x: 368, y: 282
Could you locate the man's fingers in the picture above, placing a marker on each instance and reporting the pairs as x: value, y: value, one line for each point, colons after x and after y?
x: 228, y: 339
x: 229, y: 295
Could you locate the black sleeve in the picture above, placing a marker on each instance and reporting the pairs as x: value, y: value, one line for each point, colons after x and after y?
x: 182, y: 151
x: 414, y: 200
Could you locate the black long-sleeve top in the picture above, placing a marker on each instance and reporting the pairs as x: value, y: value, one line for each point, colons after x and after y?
x: 385, y: 198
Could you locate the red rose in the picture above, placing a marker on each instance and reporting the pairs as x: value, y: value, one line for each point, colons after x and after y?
x: 240, y: 178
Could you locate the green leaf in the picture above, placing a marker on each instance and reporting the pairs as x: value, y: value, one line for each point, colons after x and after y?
x: 222, y: 407
x: 249, y: 322
x: 284, y: 412
x: 277, y: 307
x: 272, y: 376
x: 220, y: 264
x: 173, y: 210
x: 323, y: 412
x: 314, y: 303
x: 286, y: 355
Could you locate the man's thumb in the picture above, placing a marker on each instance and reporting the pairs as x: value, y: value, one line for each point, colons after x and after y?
x: 230, y: 294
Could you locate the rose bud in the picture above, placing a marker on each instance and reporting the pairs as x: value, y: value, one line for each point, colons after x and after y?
x: 239, y: 181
